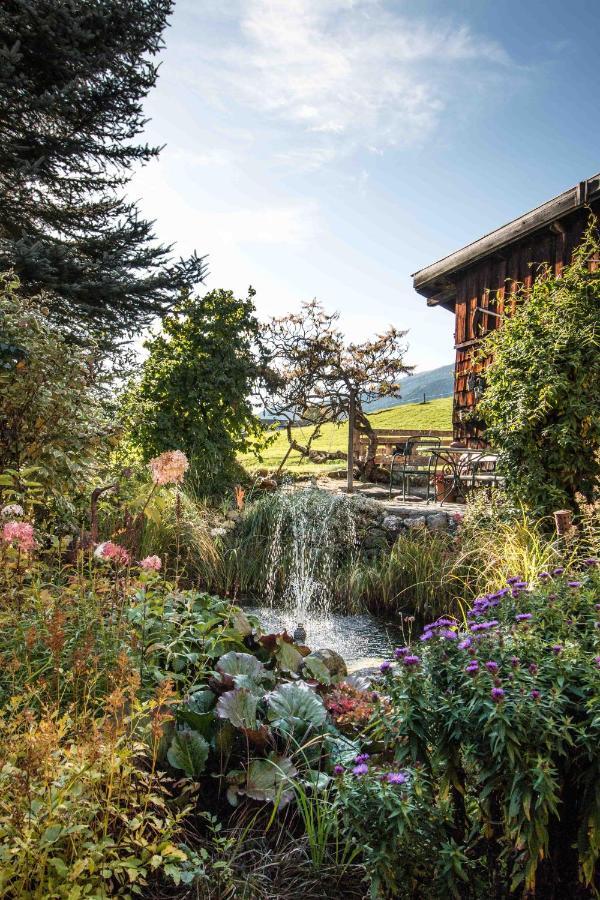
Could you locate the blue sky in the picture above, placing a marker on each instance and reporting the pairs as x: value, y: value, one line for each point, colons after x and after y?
x: 330, y: 148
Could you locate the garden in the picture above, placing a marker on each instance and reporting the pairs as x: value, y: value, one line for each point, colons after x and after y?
x: 217, y: 684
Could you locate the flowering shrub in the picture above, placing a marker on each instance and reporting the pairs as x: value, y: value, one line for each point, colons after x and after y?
x: 502, y: 712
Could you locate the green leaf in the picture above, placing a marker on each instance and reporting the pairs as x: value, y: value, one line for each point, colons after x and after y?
x: 188, y: 751
x: 264, y: 779
x: 288, y: 657
x: 317, y: 669
x: 242, y: 670
x: 239, y: 708
x: 293, y: 706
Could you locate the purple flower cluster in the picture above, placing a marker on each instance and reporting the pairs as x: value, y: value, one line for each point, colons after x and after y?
x: 385, y: 666
x: 472, y: 667
x: 492, y: 666
x: 484, y: 626
x: 523, y: 617
x: 399, y: 652
x: 412, y: 660
x: 498, y: 694
x: 395, y: 778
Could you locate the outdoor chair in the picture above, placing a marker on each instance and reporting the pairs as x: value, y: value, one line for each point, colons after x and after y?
x: 413, y: 460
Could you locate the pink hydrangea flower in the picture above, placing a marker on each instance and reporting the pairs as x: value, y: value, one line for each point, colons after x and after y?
x: 169, y: 468
x: 110, y: 550
x: 12, y: 510
x: 20, y: 533
x: 151, y: 564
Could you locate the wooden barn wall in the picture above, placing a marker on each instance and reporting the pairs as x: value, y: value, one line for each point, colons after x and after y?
x: 481, y: 290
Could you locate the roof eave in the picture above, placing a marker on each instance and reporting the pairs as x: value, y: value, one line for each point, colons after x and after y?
x: 434, y: 281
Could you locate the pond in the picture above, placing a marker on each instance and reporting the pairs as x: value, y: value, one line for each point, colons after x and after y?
x: 358, y: 638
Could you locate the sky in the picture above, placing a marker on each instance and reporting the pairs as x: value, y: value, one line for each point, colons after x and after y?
x: 330, y: 148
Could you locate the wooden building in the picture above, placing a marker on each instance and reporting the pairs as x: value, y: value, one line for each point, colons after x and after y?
x: 473, y: 282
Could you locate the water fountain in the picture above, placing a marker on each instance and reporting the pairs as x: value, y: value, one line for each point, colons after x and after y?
x: 313, y: 533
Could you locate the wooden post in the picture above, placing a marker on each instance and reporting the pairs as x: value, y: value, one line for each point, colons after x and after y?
x: 351, y: 412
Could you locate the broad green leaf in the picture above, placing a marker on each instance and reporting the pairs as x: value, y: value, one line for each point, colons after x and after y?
x: 188, y: 751
x: 239, y: 708
x: 295, y: 705
x: 317, y: 669
x: 264, y: 779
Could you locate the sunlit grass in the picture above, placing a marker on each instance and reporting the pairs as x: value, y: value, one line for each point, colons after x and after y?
x: 435, y: 415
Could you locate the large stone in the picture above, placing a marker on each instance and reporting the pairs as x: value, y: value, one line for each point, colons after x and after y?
x: 333, y: 662
x: 437, y: 522
x: 416, y: 522
x: 393, y: 524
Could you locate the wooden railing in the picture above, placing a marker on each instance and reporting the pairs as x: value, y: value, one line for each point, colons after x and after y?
x: 388, y: 439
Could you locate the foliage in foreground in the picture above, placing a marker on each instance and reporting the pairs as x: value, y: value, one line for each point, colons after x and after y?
x: 542, y: 399
x: 496, y: 722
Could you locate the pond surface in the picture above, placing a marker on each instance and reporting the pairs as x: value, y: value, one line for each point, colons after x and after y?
x: 358, y: 637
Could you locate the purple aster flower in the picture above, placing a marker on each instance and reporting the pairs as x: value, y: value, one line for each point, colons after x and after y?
x: 338, y: 770
x: 464, y: 645
x: 533, y: 668
x: 520, y: 585
x: 497, y: 694
x: 513, y: 579
x: 558, y: 570
x: 523, y: 617
x: 361, y: 769
x: 515, y: 662
x: 449, y: 635
x: 556, y: 649
x: 400, y: 651
x: 473, y: 667
x: 492, y: 666
x: 544, y: 576
x: 412, y: 660
x: 395, y: 778
x: 574, y: 584
x: 591, y: 561
x: 361, y: 758
x: 535, y: 695
x: 427, y: 635
x: 385, y: 666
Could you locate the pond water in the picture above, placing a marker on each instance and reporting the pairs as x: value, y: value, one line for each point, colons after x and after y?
x: 357, y: 638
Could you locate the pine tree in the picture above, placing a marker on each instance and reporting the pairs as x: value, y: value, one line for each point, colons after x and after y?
x: 73, y: 75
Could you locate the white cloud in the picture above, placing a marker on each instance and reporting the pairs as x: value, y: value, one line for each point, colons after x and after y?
x: 350, y: 73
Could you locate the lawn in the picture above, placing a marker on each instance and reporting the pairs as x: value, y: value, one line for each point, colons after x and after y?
x: 435, y: 415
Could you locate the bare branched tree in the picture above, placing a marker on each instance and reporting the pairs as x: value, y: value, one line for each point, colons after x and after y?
x: 316, y: 378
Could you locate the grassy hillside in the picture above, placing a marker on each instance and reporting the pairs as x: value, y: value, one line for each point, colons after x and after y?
x: 436, y: 415
x: 434, y: 384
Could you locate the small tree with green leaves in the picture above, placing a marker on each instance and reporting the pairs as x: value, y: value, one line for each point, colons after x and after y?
x: 195, y: 388
x: 542, y: 398
x: 55, y: 421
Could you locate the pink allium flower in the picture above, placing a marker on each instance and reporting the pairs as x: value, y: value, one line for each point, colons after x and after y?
x: 20, y: 533
x: 151, y: 563
x: 169, y: 467
x: 13, y: 509
x: 109, y: 550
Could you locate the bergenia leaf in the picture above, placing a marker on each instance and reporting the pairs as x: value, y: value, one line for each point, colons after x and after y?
x: 239, y: 708
x: 295, y: 705
x: 233, y: 664
x: 288, y: 658
x: 316, y: 668
x: 189, y: 752
x: 264, y: 779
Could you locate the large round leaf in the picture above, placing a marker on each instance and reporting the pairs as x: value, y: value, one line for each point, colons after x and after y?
x: 188, y: 751
x: 295, y: 705
x: 242, y: 670
x: 239, y: 708
x: 264, y: 779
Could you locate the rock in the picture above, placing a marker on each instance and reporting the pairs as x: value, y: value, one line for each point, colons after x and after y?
x: 393, y: 524
x: 334, y: 663
x: 416, y: 522
x: 437, y: 522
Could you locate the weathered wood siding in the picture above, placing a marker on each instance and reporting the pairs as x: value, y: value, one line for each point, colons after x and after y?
x: 481, y: 291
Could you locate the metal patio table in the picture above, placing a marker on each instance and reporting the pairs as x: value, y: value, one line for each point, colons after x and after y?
x: 455, y: 463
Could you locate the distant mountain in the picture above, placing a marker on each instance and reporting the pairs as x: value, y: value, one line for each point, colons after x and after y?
x: 433, y: 384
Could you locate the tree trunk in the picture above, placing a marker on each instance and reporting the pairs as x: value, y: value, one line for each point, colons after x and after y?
x: 316, y: 456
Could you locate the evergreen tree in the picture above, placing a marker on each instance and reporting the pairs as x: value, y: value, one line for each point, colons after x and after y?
x: 73, y: 75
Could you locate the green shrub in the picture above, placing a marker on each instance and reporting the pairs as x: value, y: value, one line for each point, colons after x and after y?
x: 542, y: 399
x: 54, y: 422
x: 502, y: 716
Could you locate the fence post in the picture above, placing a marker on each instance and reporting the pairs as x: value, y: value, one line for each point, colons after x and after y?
x: 351, y: 412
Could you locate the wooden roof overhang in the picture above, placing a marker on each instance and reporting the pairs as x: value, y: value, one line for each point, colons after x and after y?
x: 437, y: 282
